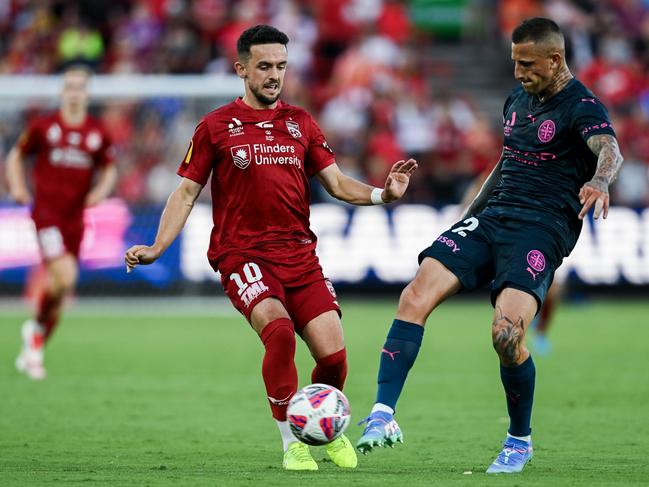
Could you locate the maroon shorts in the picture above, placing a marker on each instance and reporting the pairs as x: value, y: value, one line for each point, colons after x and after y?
x: 247, y: 281
x: 59, y: 238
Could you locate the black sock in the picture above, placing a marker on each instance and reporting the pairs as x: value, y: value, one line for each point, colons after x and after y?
x: 398, y: 355
x: 518, y: 382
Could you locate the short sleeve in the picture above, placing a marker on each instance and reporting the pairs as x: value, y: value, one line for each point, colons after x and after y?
x: 319, y: 155
x: 30, y: 140
x: 198, y: 161
x: 590, y: 118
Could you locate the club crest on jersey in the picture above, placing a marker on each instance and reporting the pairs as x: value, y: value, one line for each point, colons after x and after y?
x: 546, y: 131
x: 293, y: 128
x: 241, y: 155
x: 93, y: 141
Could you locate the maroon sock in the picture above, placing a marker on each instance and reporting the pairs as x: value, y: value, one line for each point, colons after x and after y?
x: 331, y: 370
x: 278, y: 367
x: 49, y: 308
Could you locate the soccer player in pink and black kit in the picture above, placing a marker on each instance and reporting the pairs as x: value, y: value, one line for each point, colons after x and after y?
x: 73, y: 169
x: 261, y: 153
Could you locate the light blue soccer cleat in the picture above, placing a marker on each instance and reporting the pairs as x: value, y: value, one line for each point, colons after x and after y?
x: 541, y: 344
x: 381, y: 430
x: 513, y: 457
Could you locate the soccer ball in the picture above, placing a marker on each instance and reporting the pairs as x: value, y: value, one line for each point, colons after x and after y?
x: 318, y: 414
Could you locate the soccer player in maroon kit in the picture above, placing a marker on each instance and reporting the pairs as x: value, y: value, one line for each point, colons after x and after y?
x: 73, y: 169
x: 260, y: 153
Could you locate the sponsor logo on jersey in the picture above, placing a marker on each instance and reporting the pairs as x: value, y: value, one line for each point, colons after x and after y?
x: 70, y: 157
x: 266, y: 124
x: 54, y: 133
x: 546, y: 131
x: 526, y: 157
x: 269, y: 136
x: 277, y: 154
x: 326, y: 146
x: 509, y: 125
x: 241, y: 155
x: 235, y: 127
x: 602, y: 125
x: 293, y: 128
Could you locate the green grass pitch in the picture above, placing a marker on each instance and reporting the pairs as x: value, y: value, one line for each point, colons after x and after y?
x: 173, y: 396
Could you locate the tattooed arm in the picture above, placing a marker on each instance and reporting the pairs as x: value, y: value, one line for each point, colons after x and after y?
x: 480, y: 199
x: 609, y: 161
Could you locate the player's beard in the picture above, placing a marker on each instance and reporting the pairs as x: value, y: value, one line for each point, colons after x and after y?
x: 263, y: 99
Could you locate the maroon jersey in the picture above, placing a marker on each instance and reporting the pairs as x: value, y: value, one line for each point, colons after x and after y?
x: 66, y: 159
x: 260, y: 161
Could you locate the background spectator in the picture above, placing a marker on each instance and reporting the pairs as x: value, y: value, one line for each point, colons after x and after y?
x: 386, y: 78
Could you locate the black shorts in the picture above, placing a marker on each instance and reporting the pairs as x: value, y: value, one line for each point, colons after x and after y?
x: 504, y: 251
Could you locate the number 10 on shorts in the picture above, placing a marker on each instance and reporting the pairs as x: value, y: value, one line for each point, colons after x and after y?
x: 251, y: 272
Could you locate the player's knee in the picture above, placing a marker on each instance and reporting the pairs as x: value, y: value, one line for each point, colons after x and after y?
x: 279, y: 333
x: 331, y: 369
x: 414, y: 301
x: 57, y: 288
x: 62, y: 285
x: 507, y: 338
x: 68, y: 282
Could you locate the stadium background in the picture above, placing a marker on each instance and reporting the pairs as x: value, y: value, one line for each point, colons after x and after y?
x: 385, y: 79
x: 153, y: 390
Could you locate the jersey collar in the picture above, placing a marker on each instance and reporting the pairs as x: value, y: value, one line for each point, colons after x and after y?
x: 264, y: 114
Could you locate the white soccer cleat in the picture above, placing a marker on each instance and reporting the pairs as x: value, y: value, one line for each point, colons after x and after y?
x: 30, y: 358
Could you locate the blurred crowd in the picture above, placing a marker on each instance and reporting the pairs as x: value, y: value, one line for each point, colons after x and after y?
x: 365, y: 68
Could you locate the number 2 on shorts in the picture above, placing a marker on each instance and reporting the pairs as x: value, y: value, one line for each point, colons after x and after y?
x: 470, y: 224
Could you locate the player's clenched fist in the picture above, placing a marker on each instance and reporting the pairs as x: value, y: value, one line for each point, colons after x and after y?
x: 140, y: 254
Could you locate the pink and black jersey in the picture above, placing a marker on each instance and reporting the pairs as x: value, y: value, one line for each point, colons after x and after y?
x: 546, y: 159
x: 260, y: 162
x: 66, y: 159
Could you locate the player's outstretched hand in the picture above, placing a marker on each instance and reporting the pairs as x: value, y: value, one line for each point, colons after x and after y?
x: 398, y: 179
x: 140, y: 254
x: 594, y: 192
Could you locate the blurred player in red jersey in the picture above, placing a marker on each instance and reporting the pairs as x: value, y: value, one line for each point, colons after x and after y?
x: 261, y: 153
x: 73, y: 169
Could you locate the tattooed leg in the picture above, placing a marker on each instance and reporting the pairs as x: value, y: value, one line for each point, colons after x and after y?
x: 508, y: 336
x: 513, y: 313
